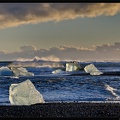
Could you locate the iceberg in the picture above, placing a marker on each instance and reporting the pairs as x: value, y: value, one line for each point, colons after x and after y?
x: 5, y: 71
x: 92, y: 70
x: 58, y: 71
x: 21, y: 71
x: 24, y: 93
x: 73, y: 66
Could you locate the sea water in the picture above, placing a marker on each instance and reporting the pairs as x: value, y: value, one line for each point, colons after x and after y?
x: 64, y: 88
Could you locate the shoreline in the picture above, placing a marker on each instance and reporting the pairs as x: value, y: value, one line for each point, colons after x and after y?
x: 56, y: 110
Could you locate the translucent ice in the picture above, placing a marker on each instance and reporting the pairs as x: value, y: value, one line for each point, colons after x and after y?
x: 24, y: 93
x: 92, y: 70
x: 58, y: 71
x: 73, y: 66
x: 21, y: 71
x: 5, y: 71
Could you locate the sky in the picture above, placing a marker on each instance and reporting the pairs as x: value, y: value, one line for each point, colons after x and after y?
x: 60, y: 31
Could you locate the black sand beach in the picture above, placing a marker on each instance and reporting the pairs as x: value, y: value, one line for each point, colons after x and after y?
x: 62, y: 110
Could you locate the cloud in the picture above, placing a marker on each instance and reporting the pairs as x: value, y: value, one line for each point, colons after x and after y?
x: 108, y: 47
x: 3, y: 52
x: 27, y: 48
x: 97, y: 53
x: 14, y: 14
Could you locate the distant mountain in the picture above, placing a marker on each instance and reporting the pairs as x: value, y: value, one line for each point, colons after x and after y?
x: 36, y: 59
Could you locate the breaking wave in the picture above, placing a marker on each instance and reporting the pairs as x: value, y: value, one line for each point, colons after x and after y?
x: 112, y: 91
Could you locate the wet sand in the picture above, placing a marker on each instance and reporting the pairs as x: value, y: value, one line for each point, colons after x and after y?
x: 62, y: 110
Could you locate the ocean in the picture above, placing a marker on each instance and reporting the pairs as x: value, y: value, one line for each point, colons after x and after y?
x: 68, y: 86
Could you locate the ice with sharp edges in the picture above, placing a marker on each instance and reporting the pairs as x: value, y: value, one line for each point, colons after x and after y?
x: 73, y: 66
x: 92, y: 70
x: 24, y: 93
x: 21, y: 71
x: 5, y: 71
x: 58, y: 71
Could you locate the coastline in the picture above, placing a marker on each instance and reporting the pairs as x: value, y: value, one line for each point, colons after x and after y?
x: 64, y: 110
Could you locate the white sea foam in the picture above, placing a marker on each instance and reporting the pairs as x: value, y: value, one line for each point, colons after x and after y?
x: 14, y: 77
x: 50, y: 64
x: 111, y: 89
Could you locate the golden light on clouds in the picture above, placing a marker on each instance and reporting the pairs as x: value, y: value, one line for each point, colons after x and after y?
x: 25, y: 13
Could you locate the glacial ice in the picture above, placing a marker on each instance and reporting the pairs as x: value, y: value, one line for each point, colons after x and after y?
x: 5, y: 71
x: 14, y: 71
x: 73, y: 66
x: 58, y: 71
x: 24, y: 93
x: 21, y: 71
x: 92, y: 70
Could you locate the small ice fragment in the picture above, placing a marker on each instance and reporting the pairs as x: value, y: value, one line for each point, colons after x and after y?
x: 58, y: 71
